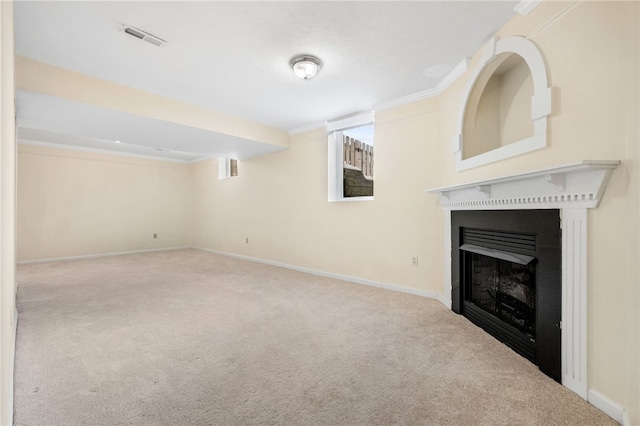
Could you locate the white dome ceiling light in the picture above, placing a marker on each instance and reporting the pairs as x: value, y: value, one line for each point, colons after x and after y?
x: 305, y: 66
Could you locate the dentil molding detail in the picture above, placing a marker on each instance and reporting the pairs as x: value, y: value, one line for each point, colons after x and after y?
x: 577, y: 185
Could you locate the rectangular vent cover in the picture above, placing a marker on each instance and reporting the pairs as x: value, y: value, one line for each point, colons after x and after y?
x: 143, y: 35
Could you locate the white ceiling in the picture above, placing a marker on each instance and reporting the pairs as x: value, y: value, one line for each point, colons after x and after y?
x: 234, y: 57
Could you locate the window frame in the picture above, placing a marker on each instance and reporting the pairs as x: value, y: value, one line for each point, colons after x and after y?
x: 335, y: 155
x: 227, y: 168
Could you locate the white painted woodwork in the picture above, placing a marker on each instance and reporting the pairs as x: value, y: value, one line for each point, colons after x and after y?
x: 335, y: 154
x: 573, y: 189
x: 574, y: 300
x: 540, y: 102
x: 581, y: 184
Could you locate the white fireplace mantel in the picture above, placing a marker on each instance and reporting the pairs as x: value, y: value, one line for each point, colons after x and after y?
x: 577, y: 185
x: 572, y: 189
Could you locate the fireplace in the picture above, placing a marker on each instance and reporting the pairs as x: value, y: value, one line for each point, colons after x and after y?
x: 572, y: 189
x: 507, y: 279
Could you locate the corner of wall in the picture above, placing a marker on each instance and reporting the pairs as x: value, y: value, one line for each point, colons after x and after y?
x: 8, y: 314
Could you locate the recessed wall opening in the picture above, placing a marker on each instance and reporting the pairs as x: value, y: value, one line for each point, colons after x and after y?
x: 499, y: 109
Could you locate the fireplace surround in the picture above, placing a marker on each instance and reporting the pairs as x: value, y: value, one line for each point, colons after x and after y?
x: 571, y: 189
x: 506, y: 279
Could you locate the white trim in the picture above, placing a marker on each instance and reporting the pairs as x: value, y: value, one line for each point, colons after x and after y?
x: 525, y: 7
x: 447, y: 253
x: 518, y: 148
x: 574, y: 300
x: 446, y: 81
x: 607, y: 406
x: 541, y: 101
x: 307, y: 128
x: 224, y: 168
x: 99, y: 255
x: 626, y: 421
x: 335, y: 163
x: 351, y: 121
x: 446, y: 301
x: 352, y: 199
x: 335, y: 153
x: 579, y: 184
x: 348, y: 278
x: 573, y: 189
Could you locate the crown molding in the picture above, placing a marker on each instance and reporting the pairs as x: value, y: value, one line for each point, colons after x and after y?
x: 446, y: 81
x: 307, y: 128
x: 525, y: 7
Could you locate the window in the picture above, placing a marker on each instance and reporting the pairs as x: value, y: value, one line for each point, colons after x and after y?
x: 227, y: 167
x: 351, y: 158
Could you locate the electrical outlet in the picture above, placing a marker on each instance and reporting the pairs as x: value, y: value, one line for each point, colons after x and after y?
x: 246, y: 240
x: 155, y: 235
x: 414, y: 261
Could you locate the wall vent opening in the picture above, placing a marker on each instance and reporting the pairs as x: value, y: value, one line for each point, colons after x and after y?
x: 143, y: 35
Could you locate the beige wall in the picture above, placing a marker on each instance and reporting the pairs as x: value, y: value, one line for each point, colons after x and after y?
x: 8, y: 316
x: 73, y: 203
x: 279, y: 201
x: 591, y: 51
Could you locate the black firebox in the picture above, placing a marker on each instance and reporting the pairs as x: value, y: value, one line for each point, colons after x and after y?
x: 506, y: 279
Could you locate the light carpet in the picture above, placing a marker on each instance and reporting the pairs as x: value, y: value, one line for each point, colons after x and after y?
x: 192, y: 338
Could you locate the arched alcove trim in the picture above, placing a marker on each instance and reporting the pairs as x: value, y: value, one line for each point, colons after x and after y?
x: 540, y: 102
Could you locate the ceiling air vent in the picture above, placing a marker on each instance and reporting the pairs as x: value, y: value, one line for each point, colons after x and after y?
x: 142, y: 35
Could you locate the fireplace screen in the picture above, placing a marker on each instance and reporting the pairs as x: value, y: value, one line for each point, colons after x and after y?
x: 503, y: 288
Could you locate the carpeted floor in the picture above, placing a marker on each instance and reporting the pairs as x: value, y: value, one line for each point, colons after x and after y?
x: 192, y: 338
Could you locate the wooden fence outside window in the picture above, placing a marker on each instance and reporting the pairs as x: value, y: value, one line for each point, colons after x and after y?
x: 358, y: 154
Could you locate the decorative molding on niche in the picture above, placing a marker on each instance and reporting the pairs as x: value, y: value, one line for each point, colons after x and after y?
x: 577, y: 185
x: 541, y: 105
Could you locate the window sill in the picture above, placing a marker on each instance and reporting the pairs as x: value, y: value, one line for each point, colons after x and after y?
x: 350, y: 199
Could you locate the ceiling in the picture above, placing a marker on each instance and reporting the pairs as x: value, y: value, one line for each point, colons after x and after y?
x: 233, y: 57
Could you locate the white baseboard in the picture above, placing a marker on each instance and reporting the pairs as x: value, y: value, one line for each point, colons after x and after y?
x: 607, y: 406
x: 625, y: 418
x: 446, y: 301
x: 7, y: 418
x: 98, y: 255
x: 348, y: 278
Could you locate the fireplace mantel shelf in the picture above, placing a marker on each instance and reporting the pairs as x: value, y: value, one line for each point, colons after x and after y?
x: 579, y: 185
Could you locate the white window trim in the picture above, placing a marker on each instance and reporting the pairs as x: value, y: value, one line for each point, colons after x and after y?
x: 335, y: 160
x: 224, y: 168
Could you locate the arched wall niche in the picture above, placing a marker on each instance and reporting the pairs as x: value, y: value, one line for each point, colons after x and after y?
x: 506, y: 105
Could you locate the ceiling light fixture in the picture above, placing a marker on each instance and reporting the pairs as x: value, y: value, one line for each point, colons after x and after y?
x: 305, y: 66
